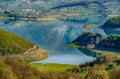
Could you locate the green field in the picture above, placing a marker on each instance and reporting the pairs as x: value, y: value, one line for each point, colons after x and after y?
x: 73, y: 45
x: 52, y: 67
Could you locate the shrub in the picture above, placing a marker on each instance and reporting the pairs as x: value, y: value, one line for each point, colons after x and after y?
x: 115, y: 74
x: 96, y: 72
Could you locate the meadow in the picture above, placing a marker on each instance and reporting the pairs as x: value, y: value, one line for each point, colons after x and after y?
x: 52, y: 67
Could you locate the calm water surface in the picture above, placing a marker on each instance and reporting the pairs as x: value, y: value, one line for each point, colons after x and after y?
x: 54, y: 37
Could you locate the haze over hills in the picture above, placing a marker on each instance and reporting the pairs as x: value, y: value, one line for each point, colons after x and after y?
x: 47, y: 4
x: 90, y: 12
x: 65, y: 10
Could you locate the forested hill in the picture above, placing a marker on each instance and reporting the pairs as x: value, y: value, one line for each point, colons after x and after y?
x: 90, y: 40
x: 112, y: 23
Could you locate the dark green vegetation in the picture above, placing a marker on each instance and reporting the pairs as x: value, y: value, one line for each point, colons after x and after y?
x: 92, y: 41
x: 112, y: 41
x: 12, y: 44
x: 112, y: 23
x: 88, y: 40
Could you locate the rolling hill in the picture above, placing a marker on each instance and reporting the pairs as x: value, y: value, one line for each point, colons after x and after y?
x: 11, y: 44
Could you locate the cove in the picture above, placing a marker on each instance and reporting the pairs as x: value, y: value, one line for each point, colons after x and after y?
x: 54, y: 37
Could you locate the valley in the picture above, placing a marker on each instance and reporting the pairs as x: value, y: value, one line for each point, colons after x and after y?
x: 67, y: 39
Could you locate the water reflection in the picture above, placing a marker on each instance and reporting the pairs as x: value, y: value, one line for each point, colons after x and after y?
x: 54, y: 37
x: 111, y: 31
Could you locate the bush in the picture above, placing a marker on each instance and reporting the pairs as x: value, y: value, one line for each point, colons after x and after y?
x: 96, y: 72
x: 115, y: 74
x: 11, y: 69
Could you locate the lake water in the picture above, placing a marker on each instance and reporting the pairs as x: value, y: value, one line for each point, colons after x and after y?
x: 54, y: 37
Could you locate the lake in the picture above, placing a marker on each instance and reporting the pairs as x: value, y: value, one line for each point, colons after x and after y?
x: 54, y: 37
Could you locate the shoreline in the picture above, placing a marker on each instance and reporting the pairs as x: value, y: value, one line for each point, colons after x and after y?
x: 29, y: 18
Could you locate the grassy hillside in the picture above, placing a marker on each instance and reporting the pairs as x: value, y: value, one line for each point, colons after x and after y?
x: 12, y: 44
x: 19, y: 48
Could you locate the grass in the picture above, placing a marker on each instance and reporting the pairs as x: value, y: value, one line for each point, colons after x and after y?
x: 52, y: 67
x: 73, y: 45
x: 18, y: 48
x: 13, y: 44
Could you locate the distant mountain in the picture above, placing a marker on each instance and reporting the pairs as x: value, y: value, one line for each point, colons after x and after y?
x: 47, y: 4
x: 95, y: 12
